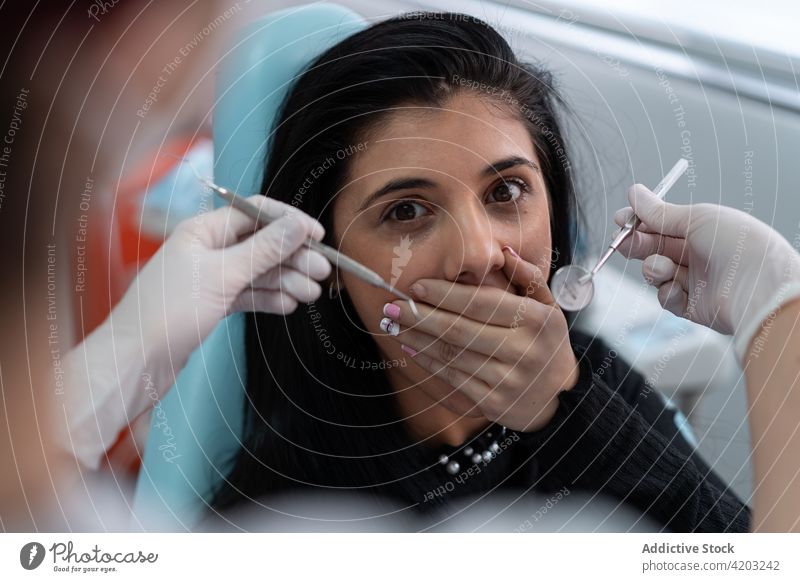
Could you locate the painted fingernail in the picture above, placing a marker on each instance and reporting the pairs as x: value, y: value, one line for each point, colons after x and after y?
x: 512, y: 251
x: 417, y: 290
x: 390, y: 326
x: 409, y: 350
x: 391, y: 310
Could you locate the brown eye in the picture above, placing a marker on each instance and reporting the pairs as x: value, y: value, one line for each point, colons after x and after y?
x: 405, y: 211
x: 507, y: 191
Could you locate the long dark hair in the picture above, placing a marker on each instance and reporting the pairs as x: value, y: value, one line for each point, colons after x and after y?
x: 319, y: 409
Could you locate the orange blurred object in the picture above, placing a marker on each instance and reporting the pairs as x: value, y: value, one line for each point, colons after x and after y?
x: 115, y: 245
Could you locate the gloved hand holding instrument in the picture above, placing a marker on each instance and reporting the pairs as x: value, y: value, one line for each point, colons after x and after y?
x: 714, y: 265
x: 212, y: 265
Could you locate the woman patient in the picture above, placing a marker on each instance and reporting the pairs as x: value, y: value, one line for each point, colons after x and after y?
x: 432, y: 155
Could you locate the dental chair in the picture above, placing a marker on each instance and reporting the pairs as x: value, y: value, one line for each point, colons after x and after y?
x: 197, y: 429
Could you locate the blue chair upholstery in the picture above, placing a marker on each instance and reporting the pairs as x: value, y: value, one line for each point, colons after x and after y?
x: 196, y: 428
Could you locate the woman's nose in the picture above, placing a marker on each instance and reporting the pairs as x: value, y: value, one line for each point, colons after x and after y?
x: 472, y: 246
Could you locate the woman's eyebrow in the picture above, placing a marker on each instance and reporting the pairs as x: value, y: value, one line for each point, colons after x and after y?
x: 415, y: 183
x: 507, y: 163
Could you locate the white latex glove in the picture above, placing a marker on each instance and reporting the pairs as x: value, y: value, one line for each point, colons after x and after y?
x: 201, y: 274
x: 713, y: 265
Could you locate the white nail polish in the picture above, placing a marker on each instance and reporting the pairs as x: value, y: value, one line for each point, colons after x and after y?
x: 390, y: 326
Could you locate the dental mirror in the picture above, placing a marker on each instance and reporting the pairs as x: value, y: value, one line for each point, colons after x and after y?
x: 572, y: 286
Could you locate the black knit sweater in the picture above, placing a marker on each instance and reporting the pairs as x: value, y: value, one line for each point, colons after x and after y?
x: 611, y: 434
x: 614, y: 435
